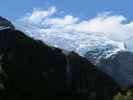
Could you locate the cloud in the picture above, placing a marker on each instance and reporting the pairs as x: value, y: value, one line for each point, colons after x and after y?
x: 41, y: 17
x: 60, y: 22
x: 115, y: 27
x: 112, y: 26
x: 38, y: 15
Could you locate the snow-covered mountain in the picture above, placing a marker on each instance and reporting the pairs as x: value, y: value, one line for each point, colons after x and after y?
x: 110, y: 56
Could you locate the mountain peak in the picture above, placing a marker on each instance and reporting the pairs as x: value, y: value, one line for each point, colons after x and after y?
x: 5, y: 24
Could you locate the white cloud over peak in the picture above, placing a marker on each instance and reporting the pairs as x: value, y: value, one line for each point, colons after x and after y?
x: 115, y: 27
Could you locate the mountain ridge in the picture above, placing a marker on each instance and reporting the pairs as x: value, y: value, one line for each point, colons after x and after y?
x: 34, y: 70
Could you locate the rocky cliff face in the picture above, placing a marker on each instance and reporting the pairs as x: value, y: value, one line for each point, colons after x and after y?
x: 32, y: 70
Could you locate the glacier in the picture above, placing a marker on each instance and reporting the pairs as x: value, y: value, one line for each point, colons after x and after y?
x: 71, y: 40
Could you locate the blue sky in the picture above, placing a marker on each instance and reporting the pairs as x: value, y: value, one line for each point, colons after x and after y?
x: 85, y: 9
